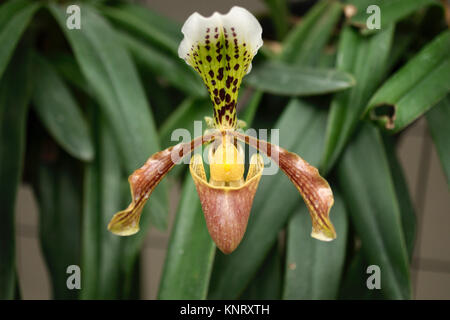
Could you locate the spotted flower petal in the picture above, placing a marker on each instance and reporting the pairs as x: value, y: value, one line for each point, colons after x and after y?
x: 144, y: 180
x: 226, y: 208
x: 314, y: 189
x: 220, y: 48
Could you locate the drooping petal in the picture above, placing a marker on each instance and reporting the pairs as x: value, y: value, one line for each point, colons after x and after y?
x: 144, y: 180
x: 314, y: 189
x: 220, y: 48
x: 226, y: 209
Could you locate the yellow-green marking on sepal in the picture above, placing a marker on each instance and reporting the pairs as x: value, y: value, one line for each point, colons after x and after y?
x: 221, y: 48
x: 222, y: 61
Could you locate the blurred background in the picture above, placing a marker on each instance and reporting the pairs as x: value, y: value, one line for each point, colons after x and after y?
x: 416, y: 152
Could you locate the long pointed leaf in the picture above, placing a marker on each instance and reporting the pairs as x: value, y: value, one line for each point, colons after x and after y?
x: 438, y: 123
x: 391, y: 11
x: 190, y: 110
x: 109, y: 70
x: 102, y: 250
x: 408, y: 215
x: 280, y: 16
x: 415, y: 88
x: 365, y: 58
x: 314, y: 268
x: 354, y: 284
x: 14, y: 18
x: 267, y: 283
x: 175, y: 70
x: 190, y: 255
x: 280, y: 79
x: 159, y: 30
x: 305, y: 42
x: 15, y: 91
x: 58, y: 192
x: 367, y: 187
x: 59, y: 112
x: 248, y: 114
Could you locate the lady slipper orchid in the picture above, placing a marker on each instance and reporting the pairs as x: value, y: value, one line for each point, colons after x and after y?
x: 220, y: 48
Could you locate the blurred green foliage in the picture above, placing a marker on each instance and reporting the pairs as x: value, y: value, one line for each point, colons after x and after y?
x: 80, y: 110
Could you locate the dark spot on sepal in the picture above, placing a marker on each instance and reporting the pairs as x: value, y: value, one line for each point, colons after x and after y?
x: 222, y: 94
x: 220, y: 74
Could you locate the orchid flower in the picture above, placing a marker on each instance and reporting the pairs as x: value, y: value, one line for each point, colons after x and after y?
x: 220, y: 48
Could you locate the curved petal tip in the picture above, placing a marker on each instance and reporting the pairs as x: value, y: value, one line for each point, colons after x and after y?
x: 315, y: 190
x: 126, y: 222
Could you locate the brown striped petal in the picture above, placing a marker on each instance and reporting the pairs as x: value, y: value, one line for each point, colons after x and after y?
x: 226, y: 209
x: 145, y: 179
x: 314, y: 189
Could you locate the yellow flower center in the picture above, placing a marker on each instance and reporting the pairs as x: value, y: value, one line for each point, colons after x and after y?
x: 227, y: 163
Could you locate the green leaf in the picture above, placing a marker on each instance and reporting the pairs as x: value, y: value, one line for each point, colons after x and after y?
x: 415, y: 88
x: 114, y: 80
x: 354, y: 283
x: 175, y: 70
x: 438, y: 123
x: 281, y: 79
x: 109, y: 70
x: 14, y: 18
x: 391, y: 11
x: 368, y: 190
x: 280, y: 16
x: 66, y: 66
x: 408, y: 215
x: 164, y: 99
x: 59, y: 112
x: 248, y: 114
x: 400, y: 45
x: 102, y: 250
x: 365, y: 58
x: 313, y: 267
x: 327, y: 60
x: 158, y: 30
x: 304, y: 44
x: 190, y: 255
x: 183, y: 117
x: 267, y: 283
x: 57, y: 187
x: 301, y: 131
x: 15, y: 90
x: 9, y: 8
